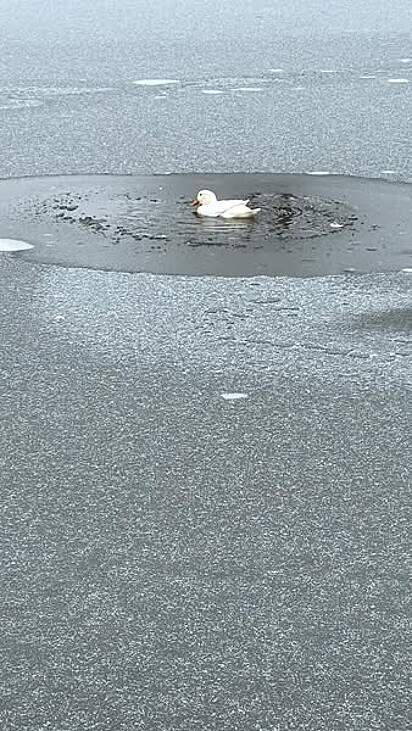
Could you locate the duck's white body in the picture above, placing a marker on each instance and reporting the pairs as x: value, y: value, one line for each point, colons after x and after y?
x: 209, y: 206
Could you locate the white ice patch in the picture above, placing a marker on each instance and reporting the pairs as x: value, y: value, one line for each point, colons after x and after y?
x: 336, y: 225
x: 14, y: 245
x: 155, y: 82
x: 407, y: 270
x: 328, y: 71
x: 318, y: 172
x: 388, y: 172
x: 212, y: 92
x: 277, y: 71
x: 248, y: 88
x: 406, y: 60
x: 233, y: 396
x: 367, y: 76
x: 398, y: 81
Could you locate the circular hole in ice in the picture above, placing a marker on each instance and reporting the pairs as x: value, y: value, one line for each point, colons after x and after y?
x: 14, y: 245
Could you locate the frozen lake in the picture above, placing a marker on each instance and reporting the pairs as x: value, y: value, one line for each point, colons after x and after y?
x: 205, y: 481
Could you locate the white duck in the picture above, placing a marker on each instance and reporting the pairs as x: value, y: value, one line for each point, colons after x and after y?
x: 209, y: 205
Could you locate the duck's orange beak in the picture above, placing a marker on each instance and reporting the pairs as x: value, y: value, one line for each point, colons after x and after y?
x: 194, y: 203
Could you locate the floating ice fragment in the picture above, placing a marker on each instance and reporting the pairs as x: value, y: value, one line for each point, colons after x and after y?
x: 233, y: 396
x: 155, y: 82
x: 406, y: 60
x: 398, y: 81
x: 14, y: 245
x: 248, y: 88
x: 318, y: 172
x: 407, y: 270
x: 212, y: 91
x: 336, y: 225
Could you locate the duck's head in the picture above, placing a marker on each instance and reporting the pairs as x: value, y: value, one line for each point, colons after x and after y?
x: 203, y: 198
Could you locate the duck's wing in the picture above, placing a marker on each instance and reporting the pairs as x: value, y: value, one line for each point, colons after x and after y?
x: 220, y: 208
x: 224, y: 206
x: 240, y: 210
